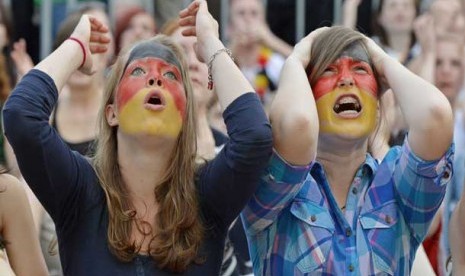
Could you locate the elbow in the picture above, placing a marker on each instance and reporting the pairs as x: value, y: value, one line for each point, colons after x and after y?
x: 441, y: 119
x: 9, y: 114
x: 301, y: 129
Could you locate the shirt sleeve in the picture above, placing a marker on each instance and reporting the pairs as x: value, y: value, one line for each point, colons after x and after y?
x: 279, y: 185
x: 421, y: 186
x: 228, y: 181
x: 51, y: 169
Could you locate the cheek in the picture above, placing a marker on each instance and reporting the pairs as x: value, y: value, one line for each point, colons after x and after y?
x: 127, y: 89
x: 367, y: 83
x: 177, y: 92
x: 323, y: 86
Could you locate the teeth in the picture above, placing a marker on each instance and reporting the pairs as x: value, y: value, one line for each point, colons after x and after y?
x: 345, y: 100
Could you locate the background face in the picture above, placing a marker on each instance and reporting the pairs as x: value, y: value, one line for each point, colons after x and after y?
x: 245, y: 13
x: 397, y: 15
x: 449, y: 68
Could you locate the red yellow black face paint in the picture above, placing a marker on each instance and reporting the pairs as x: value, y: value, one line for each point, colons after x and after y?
x: 346, y: 95
x: 150, y: 98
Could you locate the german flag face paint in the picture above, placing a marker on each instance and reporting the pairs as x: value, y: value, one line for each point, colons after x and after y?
x: 150, y: 98
x: 346, y: 95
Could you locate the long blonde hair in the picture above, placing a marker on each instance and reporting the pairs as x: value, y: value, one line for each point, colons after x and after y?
x: 179, y: 232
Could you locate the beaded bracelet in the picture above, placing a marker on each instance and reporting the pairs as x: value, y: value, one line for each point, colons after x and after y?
x: 82, y: 48
x: 210, y: 65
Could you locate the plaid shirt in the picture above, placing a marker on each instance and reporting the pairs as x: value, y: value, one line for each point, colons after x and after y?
x: 295, y: 227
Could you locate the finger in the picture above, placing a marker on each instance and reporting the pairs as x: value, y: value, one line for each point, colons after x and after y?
x: 97, y: 48
x: 187, y: 21
x: 99, y: 38
x: 190, y: 10
x: 189, y: 32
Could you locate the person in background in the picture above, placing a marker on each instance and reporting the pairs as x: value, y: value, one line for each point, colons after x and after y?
x: 133, y: 24
x: 19, y: 247
x: 257, y: 51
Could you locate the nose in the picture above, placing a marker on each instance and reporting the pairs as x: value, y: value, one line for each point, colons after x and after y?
x: 345, y: 81
x: 154, y: 81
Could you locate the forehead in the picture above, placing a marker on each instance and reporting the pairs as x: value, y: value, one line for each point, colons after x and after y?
x: 356, y: 52
x: 151, y: 49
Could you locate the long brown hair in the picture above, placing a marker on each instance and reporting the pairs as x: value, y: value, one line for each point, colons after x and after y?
x: 179, y: 232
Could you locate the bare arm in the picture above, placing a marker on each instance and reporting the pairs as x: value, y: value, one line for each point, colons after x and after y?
x: 425, y: 64
x: 293, y: 113
x: 22, y: 246
x: 426, y: 110
x: 275, y: 43
x: 350, y: 13
x: 229, y: 81
x: 92, y: 33
x: 457, y: 244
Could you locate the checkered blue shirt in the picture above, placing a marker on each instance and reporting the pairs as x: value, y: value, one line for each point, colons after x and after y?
x: 295, y: 227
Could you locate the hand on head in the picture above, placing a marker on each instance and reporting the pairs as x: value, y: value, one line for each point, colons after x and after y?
x: 302, y: 50
x: 200, y: 23
x: 93, y: 35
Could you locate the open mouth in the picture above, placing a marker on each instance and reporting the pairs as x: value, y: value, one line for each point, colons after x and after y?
x: 154, y: 101
x: 347, y: 105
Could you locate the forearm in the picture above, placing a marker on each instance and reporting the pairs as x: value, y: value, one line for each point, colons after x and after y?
x: 60, y: 64
x: 294, y: 111
x: 349, y: 15
x: 426, y: 110
x: 229, y: 82
x: 426, y: 67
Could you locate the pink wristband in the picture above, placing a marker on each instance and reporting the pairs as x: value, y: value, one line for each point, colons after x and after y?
x: 82, y: 48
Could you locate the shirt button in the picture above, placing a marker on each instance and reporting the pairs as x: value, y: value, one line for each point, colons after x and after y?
x: 354, y: 190
x: 351, y: 268
x: 313, y: 218
x: 388, y: 219
x: 348, y: 232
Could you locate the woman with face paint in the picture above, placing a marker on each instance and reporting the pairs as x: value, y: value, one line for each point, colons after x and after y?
x: 324, y: 204
x: 142, y: 205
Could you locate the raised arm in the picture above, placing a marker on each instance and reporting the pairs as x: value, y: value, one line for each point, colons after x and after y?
x: 424, y: 64
x: 49, y: 167
x: 228, y: 80
x: 228, y: 181
x: 426, y: 110
x: 18, y: 229
x: 75, y: 54
x: 455, y: 235
x: 350, y: 13
x: 293, y: 112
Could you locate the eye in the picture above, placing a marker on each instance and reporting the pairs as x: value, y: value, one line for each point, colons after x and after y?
x: 170, y: 75
x: 137, y: 71
x: 360, y: 69
x: 329, y: 71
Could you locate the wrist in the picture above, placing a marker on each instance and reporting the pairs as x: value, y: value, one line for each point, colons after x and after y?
x: 82, y: 48
x: 213, y: 45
